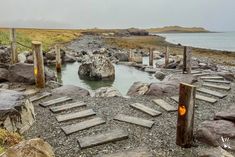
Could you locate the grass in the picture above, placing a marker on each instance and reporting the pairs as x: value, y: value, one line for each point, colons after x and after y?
x: 8, y: 139
x: 48, y: 37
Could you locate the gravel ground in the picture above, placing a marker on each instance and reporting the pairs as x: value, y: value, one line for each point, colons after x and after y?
x: 160, y: 140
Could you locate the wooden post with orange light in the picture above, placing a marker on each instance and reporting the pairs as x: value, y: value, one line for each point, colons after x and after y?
x: 187, y: 60
x: 38, y: 64
x: 58, y: 58
x: 150, y: 57
x: 184, y: 136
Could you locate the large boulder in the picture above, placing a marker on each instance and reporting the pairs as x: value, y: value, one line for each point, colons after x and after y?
x: 30, y: 148
x: 3, y: 74
x: 107, y: 92
x: 97, y: 67
x: 216, y: 132
x: 16, y: 112
x: 121, y: 56
x: 70, y: 90
x: 5, y: 54
x: 24, y: 73
x: 160, y: 75
x: 138, y: 88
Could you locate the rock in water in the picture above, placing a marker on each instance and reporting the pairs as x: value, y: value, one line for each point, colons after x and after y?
x: 30, y: 148
x: 107, y: 92
x: 160, y: 75
x: 97, y: 67
x: 16, y: 112
x: 138, y: 88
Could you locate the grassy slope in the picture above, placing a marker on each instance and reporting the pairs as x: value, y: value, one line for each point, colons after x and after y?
x: 47, y: 37
x: 178, y: 29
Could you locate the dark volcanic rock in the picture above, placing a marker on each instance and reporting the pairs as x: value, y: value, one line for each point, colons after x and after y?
x: 107, y: 92
x: 3, y: 75
x: 71, y: 90
x: 5, y: 54
x: 123, y: 57
x: 137, y: 32
x: 226, y: 115
x: 138, y: 88
x: 97, y: 67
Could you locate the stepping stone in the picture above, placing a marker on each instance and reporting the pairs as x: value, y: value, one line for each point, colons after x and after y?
x: 61, y: 108
x: 39, y: 96
x: 131, y: 153
x: 207, y: 99
x: 164, y: 105
x: 216, y: 86
x: 175, y: 98
x: 146, y: 109
x: 134, y: 120
x: 196, y: 72
x: 76, y: 115
x: 55, y: 101
x: 111, y: 136
x: 211, y: 92
x: 82, y: 125
x: 213, y: 77
x: 203, y: 74
x: 217, y: 81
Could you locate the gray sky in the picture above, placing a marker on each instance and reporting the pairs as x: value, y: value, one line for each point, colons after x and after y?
x: 218, y: 15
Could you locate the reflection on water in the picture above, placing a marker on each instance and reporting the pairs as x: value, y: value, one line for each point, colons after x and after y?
x: 125, y: 77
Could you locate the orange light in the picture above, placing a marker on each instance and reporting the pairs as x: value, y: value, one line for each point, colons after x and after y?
x: 35, y: 71
x: 182, y: 110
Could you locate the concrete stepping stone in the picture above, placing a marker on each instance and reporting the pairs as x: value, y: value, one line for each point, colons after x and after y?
x: 164, y: 105
x: 146, y: 109
x: 217, y: 81
x: 213, y: 77
x: 76, y: 115
x: 82, y: 125
x: 217, y: 86
x: 131, y: 153
x: 207, y: 99
x: 211, y: 92
x: 55, y: 101
x: 95, y: 140
x: 65, y: 107
x: 39, y: 96
x: 134, y: 120
x: 202, y: 74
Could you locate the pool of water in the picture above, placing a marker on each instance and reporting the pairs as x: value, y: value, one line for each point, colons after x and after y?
x: 125, y: 76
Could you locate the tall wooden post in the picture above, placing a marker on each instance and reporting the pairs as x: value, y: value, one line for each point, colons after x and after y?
x: 185, y: 121
x: 187, y: 60
x: 150, y: 57
x: 167, y: 57
x: 38, y: 64
x: 58, y: 58
x: 14, y: 55
x: 130, y: 56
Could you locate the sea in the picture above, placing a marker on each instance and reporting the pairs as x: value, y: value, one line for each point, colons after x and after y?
x: 220, y: 41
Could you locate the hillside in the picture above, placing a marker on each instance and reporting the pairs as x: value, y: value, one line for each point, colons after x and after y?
x: 178, y: 29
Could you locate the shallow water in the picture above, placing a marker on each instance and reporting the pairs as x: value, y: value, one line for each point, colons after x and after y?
x: 125, y: 77
x: 219, y: 41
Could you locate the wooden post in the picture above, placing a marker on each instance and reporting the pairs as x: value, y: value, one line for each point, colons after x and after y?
x: 14, y: 55
x: 58, y: 58
x: 150, y: 57
x: 38, y: 64
x: 187, y: 60
x: 130, y: 56
x: 167, y: 56
x: 185, y: 121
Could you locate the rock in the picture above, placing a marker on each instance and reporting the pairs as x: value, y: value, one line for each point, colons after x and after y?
x: 214, y: 152
x: 97, y: 67
x: 107, y: 92
x: 160, y: 75
x: 24, y: 73
x: 69, y: 59
x: 123, y: 57
x: 16, y: 112
x: 30, y: 148
x: 172, y: 65
x: 228, y: 76
x: 137, y: 32
x: 4, y: 86
x: 22, y: 57
x: 3, y: 75
x: 29, y: 59
x: 5, y: 54
x: 213, y: 131
x: 138, y: 88
x: 71, y: 90
x: 50, y: 55
x: 161, y: 62
x: 226, y: 115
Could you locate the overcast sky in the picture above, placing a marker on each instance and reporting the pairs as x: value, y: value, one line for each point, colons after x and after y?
x: 218, y: 15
